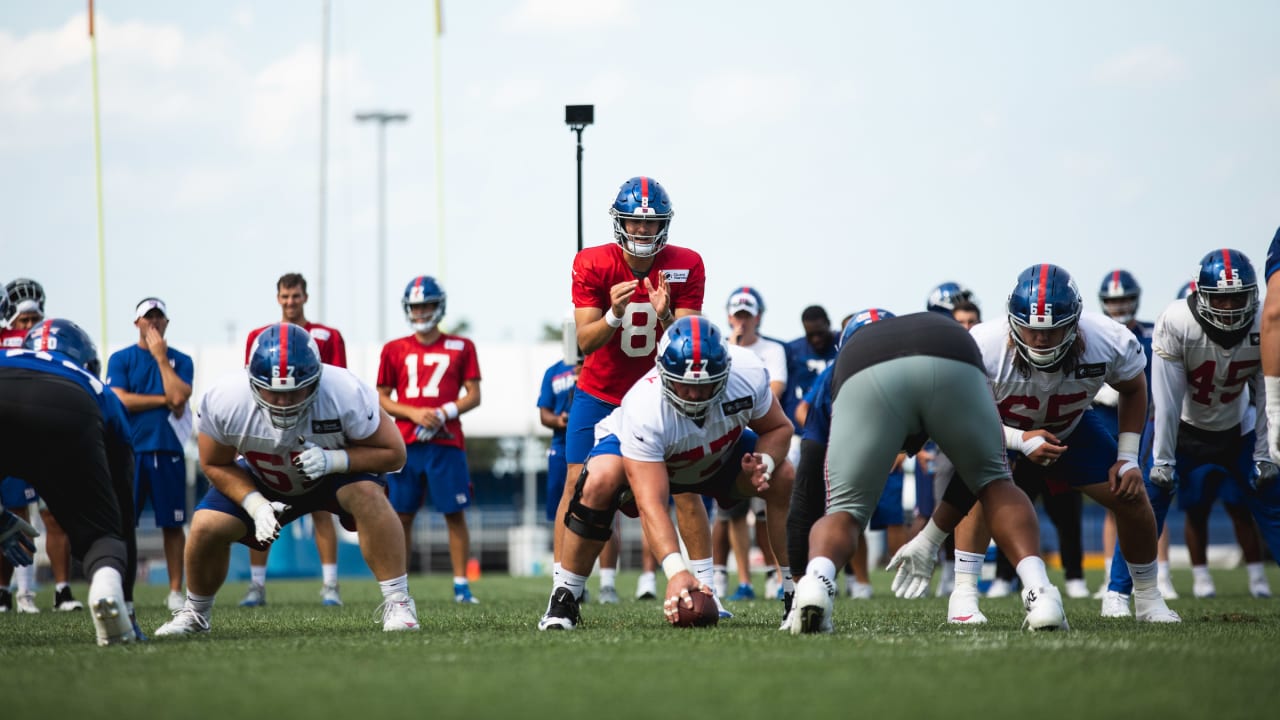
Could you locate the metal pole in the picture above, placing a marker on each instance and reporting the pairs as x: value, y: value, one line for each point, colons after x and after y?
x: 382, y: 230
x: 579, y: 131
x: 324, y: 161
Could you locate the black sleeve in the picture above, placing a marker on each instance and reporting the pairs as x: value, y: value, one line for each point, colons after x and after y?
x: 958, y: 495
x: 120, y: 461
x: 808, y: 503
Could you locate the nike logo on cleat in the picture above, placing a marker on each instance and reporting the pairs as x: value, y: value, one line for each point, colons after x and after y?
x: 962, y: 618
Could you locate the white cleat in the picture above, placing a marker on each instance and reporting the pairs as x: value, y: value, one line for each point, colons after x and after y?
x: 1165, y: 584
x: 1204, y: 588
x: 1000, y: 588
x: 1150, y: 607
x: 647, y: 587
x: 861, y: 591
x: 608, y: 595
x: 25, y: 603
x: 1115, y: 605
x: 110, y: 614
x: 176, y: 601
x: 946, y: 581
x: 399, y: 613
x: 330, y: 595
x: 186, y: 621
x: 1044, y: 609
x: 724, y: 614
x: 962, y: 608
x: 1260, y: 588
x: 813, y: 605
x: 1077, y: 589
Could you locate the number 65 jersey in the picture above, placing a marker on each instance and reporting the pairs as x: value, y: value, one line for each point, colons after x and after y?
x: 1202, y: 383
x: 1054, y: 401
x: 345, y: 409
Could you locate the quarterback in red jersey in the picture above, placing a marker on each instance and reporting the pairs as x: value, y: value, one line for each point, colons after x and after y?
x: 434, y: 378
x: 291, y: 293
x: 625, y: 295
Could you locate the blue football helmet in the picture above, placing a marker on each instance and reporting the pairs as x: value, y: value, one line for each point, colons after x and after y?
x: 943, y: 298
x: 1119, y: 295
x: 641, y: 198
x: 24, y: 295
x: 1228, y: 277
x: 284, y: 359
x: 64, y: 337
x: 1187, y: 288
x: 423, y: 289
x: 1045, y: 298
x: 693, y: 353
x: 860, y: 319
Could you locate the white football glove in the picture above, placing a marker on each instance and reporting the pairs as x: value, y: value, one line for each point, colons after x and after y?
x: 1164, y: 477
x: 266, y: 522
x: 1273, y: 438
x: 316, y: 462
x: 914, y: 562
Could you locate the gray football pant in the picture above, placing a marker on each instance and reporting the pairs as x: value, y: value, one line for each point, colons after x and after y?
x: 878, y: 408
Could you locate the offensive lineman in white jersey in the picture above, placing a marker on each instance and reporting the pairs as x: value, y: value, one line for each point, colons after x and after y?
x: 309, y: 437
x: 704, y: 421
x: 1046, y: 361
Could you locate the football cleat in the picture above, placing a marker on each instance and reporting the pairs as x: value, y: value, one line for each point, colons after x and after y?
x: 25, y: 603
x: 1000, y: 588
x: 399, y: 613
x: 962, y: 607
x: 1044, y: 609
x: 1204, y: 588
x: 813, y: 606
x: 329, y: 595
x: 176, y: 601
x: 6, y: 600
x: 744, y: 592
x: 647, y: 587
x: 1115, y: 605
x: 772, y: 586
x: 64, y: 601
x: 1077, y: 589
x: 1150, y: 607
x: 462, y: 594
x: 256, y: 596
x: 185, y: 622
x: 562, y: 611
x: 608, y: 595
x: 1165, y: 584
x: 110, y: 613
x: 788, y: 601
x: 724, y: 614
x: 1260, y: 588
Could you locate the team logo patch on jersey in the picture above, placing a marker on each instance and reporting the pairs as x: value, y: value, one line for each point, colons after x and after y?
x: 1091, y: 370
x: 324, y: 427
x: 676, y: 275
x: 320, y: 334
x: 737, y: 405
x: 1255, y: 339
x: 453, y: 345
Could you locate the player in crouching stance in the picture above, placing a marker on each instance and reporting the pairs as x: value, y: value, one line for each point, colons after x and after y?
x: 311, y: 437
x: 897, y: 382
x: 703, y: 421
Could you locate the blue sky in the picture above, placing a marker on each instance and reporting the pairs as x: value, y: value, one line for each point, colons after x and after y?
x: 842, y: 153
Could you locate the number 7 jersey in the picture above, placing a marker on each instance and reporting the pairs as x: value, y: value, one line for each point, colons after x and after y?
x: 429, y: 376
x: 1054, y: 401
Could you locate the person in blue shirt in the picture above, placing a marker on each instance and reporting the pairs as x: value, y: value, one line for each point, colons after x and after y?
x: 62, y: 431
x: 153, y: 381
x: 807, y: 357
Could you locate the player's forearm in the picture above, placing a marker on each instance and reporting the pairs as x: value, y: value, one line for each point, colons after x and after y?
x: 596, y: 334
x: 549, y: 419
x: 375, y: 458
x: 136, y: 402
x: 470, y: 401
x: 1131, y: 411
x: 775, y: 443
x: 1168, y: 385
x: 230, y: 480
x: 176, y: 390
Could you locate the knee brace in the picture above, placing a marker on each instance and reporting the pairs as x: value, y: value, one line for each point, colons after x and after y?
x: 588, y: 522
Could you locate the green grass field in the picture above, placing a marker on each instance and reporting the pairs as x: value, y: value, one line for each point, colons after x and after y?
x: 888, y: 657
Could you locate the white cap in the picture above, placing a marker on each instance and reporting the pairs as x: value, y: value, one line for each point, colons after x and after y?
x: 739, y: 302
x: 148, y: 305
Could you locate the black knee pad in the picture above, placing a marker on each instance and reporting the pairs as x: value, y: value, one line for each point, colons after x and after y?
x: 588, y: 522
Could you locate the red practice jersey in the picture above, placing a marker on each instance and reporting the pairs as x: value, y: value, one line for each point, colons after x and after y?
x: 612, y: 369
x: 333, y: 351
x: 12, y: 338
x: 428, y: 376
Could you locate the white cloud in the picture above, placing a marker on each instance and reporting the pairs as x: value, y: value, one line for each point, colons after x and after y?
x: 1142, y: 67
x: 285, y: 101
x: 534, y: 16
x: 732, y: 97
x: 243, y: 17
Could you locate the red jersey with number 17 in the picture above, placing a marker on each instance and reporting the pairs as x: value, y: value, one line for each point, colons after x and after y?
x: 610, y: 371
x: 333, y: 351
x: 428, y: 376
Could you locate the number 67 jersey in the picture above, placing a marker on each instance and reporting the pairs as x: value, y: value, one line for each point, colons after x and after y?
x: 345, y: 409
x: 1055, y: 401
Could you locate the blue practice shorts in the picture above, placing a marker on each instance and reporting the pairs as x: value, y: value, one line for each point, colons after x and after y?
x: 15, y: 493
x: 1090, y: 454
x: 324, y: 496
x: 722, y: 487
x: 556, y: 469
x: 580, y: 435
x: 889, y: 509
x: 1212, y: 465
x: 440, y: 469
x: 161, y: 478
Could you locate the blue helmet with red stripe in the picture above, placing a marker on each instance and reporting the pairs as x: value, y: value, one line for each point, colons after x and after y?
x: 423, y: 290
x: 1044, y: 313
x: 64, y: 337
x: 641, y: 198
x: 1119, y: 295
x: 285, y: 362
x: 1187, y: 288
x: 693, y: 364
x: 1227, y: 290
x: 943, y: 298
x: 859, y: 320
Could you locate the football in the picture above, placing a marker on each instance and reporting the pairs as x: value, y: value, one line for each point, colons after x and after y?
x: 703, y: 614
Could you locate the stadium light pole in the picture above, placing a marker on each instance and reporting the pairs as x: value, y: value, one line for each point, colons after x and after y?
x: 578, y: 117
x: 382, y: 118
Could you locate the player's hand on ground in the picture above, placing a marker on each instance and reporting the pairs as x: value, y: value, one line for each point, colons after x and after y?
x: 679, y: 589
x: 15, y: 539
x: 1164, y: 477
x: 1264, y: 475
x: 1042, y: 447
x: 914, y: 562
x: 620, y: 295
x: 1128, y: 486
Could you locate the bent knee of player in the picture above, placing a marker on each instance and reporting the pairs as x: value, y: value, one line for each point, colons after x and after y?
x: 210, y: 527
x: 364, y: 500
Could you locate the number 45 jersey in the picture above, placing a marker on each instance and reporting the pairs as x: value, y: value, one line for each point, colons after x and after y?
x: 345, y: 409
x: 1054, y: 401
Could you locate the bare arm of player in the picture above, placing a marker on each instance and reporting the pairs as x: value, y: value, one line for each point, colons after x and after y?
x: 381, y: 452
x: 218, y: 462
x: 1271, y: 328
x: 471, y: 400
x: 1132, y: 417
x: 135, y: 402
x: 424, y: 416
x: 594, y: 330
x: 775, y: 432
x: 648, y: 481
x: 802, y: 414
x: 778, y: 388
x: 176, y: 391
x: 551, y: 420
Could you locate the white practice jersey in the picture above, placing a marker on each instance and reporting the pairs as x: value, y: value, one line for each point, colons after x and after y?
x: 651, y: 429
x: 345, y: 409
x: 773, y: 355
x: 1055, y: 401
x: 1201, y: 383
